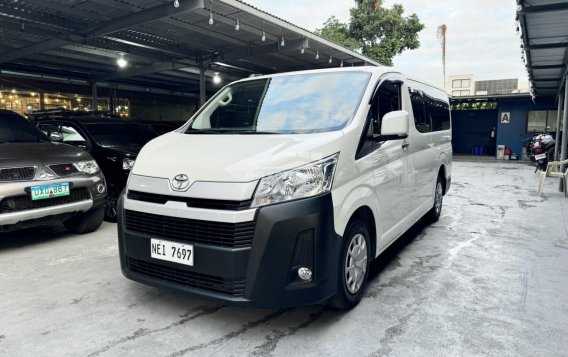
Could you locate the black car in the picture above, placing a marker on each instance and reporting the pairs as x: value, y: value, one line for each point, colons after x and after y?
x: 42, y: 181
x: 114, y: 143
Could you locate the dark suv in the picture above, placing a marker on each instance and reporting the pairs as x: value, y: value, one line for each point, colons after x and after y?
x: 114, y: 143
x: 42, y: 181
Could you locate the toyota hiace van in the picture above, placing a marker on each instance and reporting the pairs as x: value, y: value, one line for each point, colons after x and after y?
x: 282, y: 188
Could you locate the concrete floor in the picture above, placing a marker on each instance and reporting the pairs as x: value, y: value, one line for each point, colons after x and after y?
x: 490, y: 278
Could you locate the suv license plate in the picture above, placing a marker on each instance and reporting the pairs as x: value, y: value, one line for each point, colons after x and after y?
x: 50, y: 191
x: 539, y: 156
x: 171, y: 251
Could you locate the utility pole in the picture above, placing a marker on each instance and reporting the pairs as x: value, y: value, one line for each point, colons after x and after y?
x: 441, y: 35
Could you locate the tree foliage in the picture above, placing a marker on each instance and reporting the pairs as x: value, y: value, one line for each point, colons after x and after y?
x: 377, y: 32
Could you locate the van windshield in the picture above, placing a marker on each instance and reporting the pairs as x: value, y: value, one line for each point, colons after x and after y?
x: 296, y: 104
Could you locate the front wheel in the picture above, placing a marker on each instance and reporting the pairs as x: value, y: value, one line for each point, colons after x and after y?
x: 353, y: 267
x: 434, y: 214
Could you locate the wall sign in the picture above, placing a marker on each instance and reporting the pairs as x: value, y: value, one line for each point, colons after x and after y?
x: 505, y: 118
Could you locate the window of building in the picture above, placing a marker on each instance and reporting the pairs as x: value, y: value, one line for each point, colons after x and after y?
x: 459, y: 93
x: 542, y: 121
x: 461, y: 83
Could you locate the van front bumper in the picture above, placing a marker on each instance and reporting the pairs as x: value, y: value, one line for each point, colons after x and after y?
x: 286, y: 237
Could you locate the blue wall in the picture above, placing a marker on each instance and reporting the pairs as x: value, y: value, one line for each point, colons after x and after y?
x: 512, y: 134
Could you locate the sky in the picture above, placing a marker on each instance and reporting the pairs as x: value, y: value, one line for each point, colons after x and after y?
x: 481, y: 38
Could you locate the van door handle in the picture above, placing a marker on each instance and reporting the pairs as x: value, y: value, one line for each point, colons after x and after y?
x: 405, y: 144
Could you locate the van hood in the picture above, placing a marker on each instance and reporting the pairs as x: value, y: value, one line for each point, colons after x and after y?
x: 232, y: 158
x: 40, y: 153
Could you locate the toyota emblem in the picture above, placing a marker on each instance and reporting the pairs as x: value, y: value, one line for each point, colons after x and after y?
x: 180, y: 182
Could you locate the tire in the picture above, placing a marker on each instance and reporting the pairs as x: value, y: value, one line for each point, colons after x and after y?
x: 434, y: 214
x: 111, y: 208
x: 349, y: 292
x: 86, y: 222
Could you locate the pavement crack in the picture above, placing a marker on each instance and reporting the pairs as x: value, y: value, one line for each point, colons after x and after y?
x: 391, y: 333
x: 273, y: 339
x: 244, y: 328
x: 190, y: 315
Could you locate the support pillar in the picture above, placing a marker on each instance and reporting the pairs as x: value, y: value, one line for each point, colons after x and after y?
x: 112, y: 100
x: 563, y: 151
x: 202, y: 95
x: 94, y: 95
x: 557, y: 137
x: 41, y: 100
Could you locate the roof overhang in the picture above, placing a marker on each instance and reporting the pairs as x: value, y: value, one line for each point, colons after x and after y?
x: 543, y: 27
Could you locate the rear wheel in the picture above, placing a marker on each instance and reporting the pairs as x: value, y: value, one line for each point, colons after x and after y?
x: 434, y: 214
x: 353, y: 267
x: 85, y: 222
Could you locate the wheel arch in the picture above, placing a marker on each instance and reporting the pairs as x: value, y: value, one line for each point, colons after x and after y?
x: 365, y: 214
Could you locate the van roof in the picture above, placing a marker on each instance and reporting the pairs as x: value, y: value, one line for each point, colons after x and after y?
x: 370, y: 69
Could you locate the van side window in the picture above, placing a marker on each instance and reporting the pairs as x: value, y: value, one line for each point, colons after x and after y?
x: 439, y: 113
x: 421, y: 120
x: 387, y: 99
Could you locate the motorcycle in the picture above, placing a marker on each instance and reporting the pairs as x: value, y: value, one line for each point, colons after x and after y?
x: 545, y: 144
x: 541, y: 156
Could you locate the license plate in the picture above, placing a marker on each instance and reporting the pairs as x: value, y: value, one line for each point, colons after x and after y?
x: 171, y: 251
x: 540, y: 156
x: 50, y: 191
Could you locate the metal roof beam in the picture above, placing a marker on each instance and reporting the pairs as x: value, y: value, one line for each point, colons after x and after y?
x: 156, y: 67
x: 531, y: 9
x: 551, y: 66
x: 546, y: 46
x: 152, y: 14
x: 292, y: 45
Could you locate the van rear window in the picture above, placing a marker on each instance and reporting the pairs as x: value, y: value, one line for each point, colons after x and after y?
x: 303, y: 103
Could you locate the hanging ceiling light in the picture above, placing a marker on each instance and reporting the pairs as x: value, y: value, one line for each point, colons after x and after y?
x: 263, y: 33
x: 211, y: 22
x: 237, y: 25
x: 303, y: 50
x: 216, y: 78
x: 330, y: 57
x: 121, y: 61
x: 283, y: 42
x: 341, y: 65
x: 176, y: 3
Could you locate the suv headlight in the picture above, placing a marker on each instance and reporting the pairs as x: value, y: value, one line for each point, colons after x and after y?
x: 306, y: 181
x: 128, y: 164
x: 89, y: 167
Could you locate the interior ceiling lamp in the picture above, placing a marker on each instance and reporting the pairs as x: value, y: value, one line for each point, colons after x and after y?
x: 176, y: 3
x: 237, y: 25
x: 283, y: 42
x: 216, y: 78
x: 330, y: 57
x: 211, y: 22
x: 121, y: 61
x: 263, y: 38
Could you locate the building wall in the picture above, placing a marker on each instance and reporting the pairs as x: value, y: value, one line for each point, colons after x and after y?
x: 513, y: 133
x: 496, y: 86
x: 457, y: 87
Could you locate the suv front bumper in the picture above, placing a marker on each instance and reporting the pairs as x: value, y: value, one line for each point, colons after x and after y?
x: 286, y: 236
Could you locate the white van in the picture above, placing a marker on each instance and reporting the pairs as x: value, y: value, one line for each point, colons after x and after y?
x: 283, y: 188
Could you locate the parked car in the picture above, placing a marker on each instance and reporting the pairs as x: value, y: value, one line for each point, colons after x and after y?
x: 114, y: 143
x: 162, y: 127
x: 294, y: 184
x: 42, y: 181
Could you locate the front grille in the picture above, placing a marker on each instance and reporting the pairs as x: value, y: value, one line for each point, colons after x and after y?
x: 24, y: 203
x: 64, y: 170
x: 233, y: 235
x: 234, y: 287
x: 191, y: 202
x: 17, y: 174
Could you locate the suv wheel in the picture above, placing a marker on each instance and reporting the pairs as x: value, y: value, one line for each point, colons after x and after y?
x: 85, y: 222
x: 353, y: 267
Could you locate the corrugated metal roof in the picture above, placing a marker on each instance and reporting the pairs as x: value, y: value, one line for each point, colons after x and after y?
x: 543, y: 25
x: 80, y: 39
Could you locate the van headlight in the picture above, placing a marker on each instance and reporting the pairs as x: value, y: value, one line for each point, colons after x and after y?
x: 89, y: 167
x: 128, y: 164
x: 306, y: 181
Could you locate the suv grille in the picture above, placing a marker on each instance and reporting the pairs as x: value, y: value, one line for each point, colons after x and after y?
x: 191, y: 202
x: 64, y: 170
x: 24, y: 203
x: 233, y: 235
x: 234, y: 287
x: 17, y: 174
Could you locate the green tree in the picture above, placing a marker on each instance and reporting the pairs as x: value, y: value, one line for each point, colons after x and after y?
x: 377, y: 32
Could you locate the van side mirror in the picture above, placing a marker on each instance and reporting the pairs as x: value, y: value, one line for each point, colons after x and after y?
x: 394, y: 126
x: 55, y: 136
